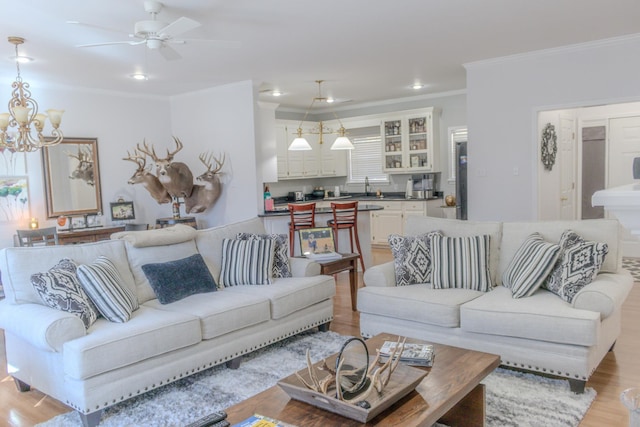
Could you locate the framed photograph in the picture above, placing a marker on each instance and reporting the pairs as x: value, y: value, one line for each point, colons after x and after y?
x: 316, y: 240
x: 121, y: 211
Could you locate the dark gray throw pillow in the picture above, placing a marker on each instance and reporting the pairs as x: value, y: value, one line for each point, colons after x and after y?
x: 173, y: 280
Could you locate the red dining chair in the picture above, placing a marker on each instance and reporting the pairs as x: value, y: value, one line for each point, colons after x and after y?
x: 303, y: 215
x: 345, y: 216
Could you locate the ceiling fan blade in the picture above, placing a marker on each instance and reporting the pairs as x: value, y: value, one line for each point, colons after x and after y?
x: 98, y: 27
x: 130, y: 42
x: 169, y: 53
x: 215, y: 43
x: 179, y: 26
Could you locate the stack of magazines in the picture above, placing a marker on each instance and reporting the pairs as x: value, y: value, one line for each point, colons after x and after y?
x: 322, y: 256
x: 413, y: 354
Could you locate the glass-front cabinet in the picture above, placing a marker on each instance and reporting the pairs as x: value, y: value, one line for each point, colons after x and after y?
x: 408, y: 142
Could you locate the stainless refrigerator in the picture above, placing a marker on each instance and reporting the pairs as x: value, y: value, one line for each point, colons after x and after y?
x: 461, y: 180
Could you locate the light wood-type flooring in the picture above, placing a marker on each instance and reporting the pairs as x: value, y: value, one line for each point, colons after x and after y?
x: 619, y: 370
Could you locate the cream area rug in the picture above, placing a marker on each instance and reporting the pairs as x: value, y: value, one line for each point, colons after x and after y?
x: 513, y: 398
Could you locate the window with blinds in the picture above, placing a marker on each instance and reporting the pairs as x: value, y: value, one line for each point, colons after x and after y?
x: 365, y: 160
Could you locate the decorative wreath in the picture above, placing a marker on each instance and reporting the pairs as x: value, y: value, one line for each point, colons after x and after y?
x: 549, y: 146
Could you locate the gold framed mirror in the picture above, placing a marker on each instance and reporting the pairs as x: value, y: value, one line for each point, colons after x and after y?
x: 72, y: 177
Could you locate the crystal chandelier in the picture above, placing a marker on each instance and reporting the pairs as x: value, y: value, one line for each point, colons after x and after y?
x: 301, y: 144
x: 23, y: 115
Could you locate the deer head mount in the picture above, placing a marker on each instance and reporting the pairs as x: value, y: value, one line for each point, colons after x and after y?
x: 174, y: 179
x: 84, y: 169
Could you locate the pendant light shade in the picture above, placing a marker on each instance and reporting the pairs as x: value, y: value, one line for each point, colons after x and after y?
x: 342, y: 142
x: 299, y: 144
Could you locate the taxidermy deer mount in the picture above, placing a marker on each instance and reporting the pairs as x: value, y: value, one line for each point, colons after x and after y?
x: 174, y: 180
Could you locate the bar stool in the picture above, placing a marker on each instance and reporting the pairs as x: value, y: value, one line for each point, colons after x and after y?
x: 303, y: 215
x: 345, y: 216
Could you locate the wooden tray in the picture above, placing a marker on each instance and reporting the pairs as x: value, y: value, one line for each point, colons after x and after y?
x: 403, y: 381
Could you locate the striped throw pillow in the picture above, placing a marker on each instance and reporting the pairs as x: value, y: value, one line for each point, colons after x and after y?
x: 246, y: 262
x: 103, y: 284
x: 460, y: 262
x: 530, y: 266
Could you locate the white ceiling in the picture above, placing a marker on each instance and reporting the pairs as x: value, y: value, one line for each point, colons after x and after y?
x: 365, y: 50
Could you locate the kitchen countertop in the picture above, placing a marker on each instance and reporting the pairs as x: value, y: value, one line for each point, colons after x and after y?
x: 284, y: 211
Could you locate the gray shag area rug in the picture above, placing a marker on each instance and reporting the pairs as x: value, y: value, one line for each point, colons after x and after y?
x: 513, y: 398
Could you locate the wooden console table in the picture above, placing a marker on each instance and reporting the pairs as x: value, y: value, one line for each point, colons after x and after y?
x: 87, y: 235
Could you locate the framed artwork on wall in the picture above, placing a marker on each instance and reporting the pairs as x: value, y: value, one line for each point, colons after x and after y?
x: 121, y: 211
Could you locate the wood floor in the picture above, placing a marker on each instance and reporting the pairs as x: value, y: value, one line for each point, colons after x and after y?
x: 619, y: 370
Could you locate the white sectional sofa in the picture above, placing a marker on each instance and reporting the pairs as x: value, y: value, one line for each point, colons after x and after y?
x: 541, y: 332
x: 91, y: 369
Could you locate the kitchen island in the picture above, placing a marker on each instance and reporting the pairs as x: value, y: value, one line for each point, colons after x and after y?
x: 277, y: 222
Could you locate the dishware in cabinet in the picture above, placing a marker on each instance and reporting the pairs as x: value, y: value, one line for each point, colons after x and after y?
x: 410, y: 142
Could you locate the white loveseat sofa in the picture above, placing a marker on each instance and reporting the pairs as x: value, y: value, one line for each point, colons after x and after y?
x: 91, y: 369
x: 542, y: 332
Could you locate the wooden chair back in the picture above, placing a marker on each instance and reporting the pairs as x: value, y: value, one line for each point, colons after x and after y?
x: 38, y: 237
x: 345, y: 214
x: 302, y: 215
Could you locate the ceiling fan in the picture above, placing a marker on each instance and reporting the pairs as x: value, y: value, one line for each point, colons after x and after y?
x: 156, y: 34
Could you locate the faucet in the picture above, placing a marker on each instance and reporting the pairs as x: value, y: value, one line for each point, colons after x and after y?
x: 366, y: 185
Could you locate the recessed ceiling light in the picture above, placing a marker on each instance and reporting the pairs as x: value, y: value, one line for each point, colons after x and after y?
x: 276, y: 93
x: 139, y: 76
x: 330, y: 100
x: 417, y: 86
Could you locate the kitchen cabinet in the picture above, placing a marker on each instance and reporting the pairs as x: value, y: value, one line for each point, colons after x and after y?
x: 410, y: 142
x: 318, y: 162
x: 391, y: 219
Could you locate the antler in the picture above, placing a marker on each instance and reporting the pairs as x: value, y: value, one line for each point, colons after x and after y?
x: 141, y: 161
x: 82, y: 156
x: 170, y: 154
x: 206, y: 157
x: 151, y: 152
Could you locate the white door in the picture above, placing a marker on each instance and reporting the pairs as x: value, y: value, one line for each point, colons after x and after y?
x: 624, y: 145
x: 567, y: 155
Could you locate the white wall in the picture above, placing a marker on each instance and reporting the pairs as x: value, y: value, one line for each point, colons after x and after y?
x: 503, y: 98
x: 119, y: 122
x: 221, y: 120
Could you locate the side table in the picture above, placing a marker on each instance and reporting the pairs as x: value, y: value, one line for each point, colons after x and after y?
x: 348, y: 262
x: 168, y: 222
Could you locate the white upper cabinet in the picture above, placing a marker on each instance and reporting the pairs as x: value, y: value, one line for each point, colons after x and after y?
x: 320, y: 161
x: 410, y: 142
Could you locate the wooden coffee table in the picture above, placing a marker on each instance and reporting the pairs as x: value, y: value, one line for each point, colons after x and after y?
x: 451, y: 393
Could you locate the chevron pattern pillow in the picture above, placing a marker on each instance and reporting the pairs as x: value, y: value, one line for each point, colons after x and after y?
x: 578, y: 264
x: 461, y: 262
x: 530, y: 266
x: 411, y: 258
x: 59, y: 288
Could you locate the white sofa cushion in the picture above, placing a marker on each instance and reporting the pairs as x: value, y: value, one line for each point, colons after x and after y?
x: 455, y: 228
x: 420, y: 303
x: 17, y: 265
x: 220, y: 312
x: 543, y: 316
x: 288, y: 295
x: 109, y: 346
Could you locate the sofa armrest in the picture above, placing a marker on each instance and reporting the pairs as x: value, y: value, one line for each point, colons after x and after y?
x: 304, y: 267
x: 380, y: 275
x: 605, y: 294
x: 41, y: 326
